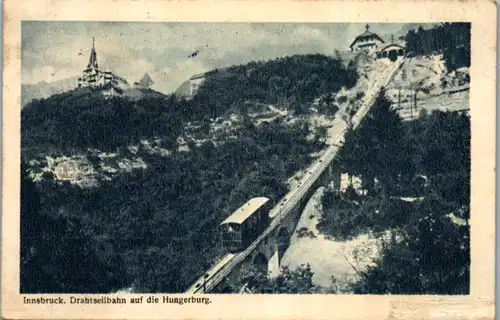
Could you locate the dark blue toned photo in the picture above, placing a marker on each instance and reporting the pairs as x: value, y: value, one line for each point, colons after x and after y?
x: 245, y: 158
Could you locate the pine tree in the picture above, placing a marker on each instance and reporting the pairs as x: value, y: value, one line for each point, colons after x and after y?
x: 377, y: 150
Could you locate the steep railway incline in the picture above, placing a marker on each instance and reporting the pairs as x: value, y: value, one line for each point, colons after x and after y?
x: 229, y: 262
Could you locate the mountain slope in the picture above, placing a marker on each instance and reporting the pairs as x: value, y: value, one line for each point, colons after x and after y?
x: 44, y: 89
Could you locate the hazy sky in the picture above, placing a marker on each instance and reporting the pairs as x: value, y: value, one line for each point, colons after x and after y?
x: 54, y: 51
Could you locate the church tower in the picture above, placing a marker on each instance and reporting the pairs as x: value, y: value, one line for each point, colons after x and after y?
x: 92, y: 75
x: 93, y: 57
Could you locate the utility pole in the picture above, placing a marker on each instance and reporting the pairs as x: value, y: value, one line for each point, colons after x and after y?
x: 205, y: 283
x: 415, y: 101
x: 399, y: 98
x: 411, y: 104
x: 410, y: 101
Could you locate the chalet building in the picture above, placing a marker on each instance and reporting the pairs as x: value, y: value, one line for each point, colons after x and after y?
x: 92, y: 75
x: 367, y: 42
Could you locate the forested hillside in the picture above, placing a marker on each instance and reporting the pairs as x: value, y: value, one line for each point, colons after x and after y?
x: 155, y: 229
x: 82, y: 118
x: 292, y: 82
x: 150, y: 220
x: 417, y: 178
x: 125, y: 189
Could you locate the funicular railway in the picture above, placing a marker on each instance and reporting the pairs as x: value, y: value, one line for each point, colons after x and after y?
x: 283, y: 208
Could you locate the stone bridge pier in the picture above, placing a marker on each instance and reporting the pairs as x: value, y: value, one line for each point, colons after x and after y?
x: 331, y: 176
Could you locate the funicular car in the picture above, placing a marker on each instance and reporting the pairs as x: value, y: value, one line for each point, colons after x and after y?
x: 244, y: 225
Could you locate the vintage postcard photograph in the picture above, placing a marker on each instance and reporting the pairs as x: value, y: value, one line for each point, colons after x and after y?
x: 172, y: 168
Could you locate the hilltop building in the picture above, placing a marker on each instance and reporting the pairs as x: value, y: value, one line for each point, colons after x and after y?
x: 372, y: 44
x: 197, y: 80
x: 195, y: 83
x: 368, y: 42
x: 392, y: 52
x: 92, y: 75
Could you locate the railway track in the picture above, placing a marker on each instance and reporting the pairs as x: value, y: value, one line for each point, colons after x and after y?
x: 224, y: 267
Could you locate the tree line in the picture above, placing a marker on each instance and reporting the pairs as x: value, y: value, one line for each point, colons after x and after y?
x: 450, y: 39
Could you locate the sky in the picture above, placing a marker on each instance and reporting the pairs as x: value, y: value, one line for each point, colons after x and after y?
x: 56, y: 50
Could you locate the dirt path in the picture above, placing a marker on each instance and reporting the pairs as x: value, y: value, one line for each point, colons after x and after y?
x: 326, y: 257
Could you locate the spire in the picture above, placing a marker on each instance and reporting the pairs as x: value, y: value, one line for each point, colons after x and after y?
x: 392, y: 38
x: 93, y: 56
x: 367, y: 27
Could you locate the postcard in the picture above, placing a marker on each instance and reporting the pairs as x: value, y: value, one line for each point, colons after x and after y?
x: 248, y: 159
